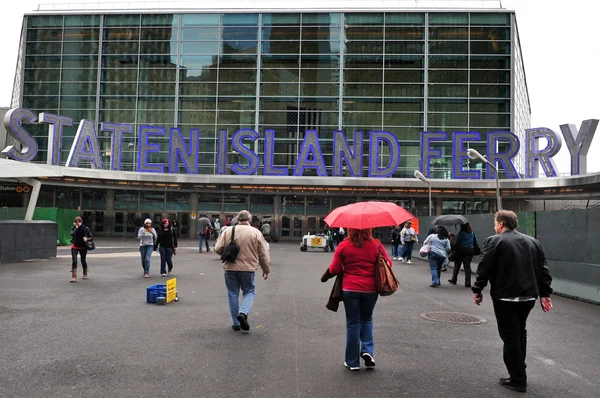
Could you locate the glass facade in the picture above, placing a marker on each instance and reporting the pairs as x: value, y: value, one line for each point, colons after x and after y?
x: 399, y: 72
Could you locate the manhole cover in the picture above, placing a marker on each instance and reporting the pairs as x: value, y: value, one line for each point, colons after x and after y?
x: 453, y: 317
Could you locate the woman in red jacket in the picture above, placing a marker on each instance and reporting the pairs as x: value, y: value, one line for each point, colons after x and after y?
x: 355, y: 257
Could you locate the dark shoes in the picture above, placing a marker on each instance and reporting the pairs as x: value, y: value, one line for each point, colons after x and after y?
x: 451, y: 281
x: 368, y: 358
x: 236, y: 328
x: 434, y: 285
x: 243, y: 320
x: 444, y: 269
x: 467, y: 285
x: 508, y: 383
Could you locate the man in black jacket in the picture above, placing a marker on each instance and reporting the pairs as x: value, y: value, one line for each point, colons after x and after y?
x: 516, y: 267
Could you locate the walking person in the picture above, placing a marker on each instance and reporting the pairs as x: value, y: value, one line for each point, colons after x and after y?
x: 147, y: 236
x: 355, y: 258
x: 466, y: 240
x: 440, y: 247
x: 166, y: 243
x: 265, y: 229
x: 175, y: 227
x: 395, y: 239
x: 239, y: 274
x: 79, y: 236
x: 202, y: 225
x: 408, y: 238
x: 515, y: 265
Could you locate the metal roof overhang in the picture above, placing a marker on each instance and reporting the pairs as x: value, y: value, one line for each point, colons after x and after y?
x: 16, y: 170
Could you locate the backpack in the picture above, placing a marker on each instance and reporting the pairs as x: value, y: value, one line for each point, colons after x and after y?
x: 232, y: 249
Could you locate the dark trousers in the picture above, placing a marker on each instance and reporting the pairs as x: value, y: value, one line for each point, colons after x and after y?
x: 82, y: 254
x: 166, y: 256
x: 465, y: 261
x: 512, y: 318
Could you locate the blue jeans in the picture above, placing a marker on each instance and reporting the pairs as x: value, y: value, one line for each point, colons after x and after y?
x: 435, y: 265
x: 359, y: 325
x: 407, y: 250
x: 395, y: 251
x: 201, y: 239
x: 234, y: 281
x: 146, y: 252
x: 166, y: 255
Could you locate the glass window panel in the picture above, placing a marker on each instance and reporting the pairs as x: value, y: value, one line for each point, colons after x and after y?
x: 148, y: 88
x: 404, y: 61
x: 204, y: 89
x: 120, y: 47
x: 279, y: 75
x: 235, y: 75
x: 321, y: 33
x: 121, y: 88
x: 115, y: 75
x: 403, y: 76
x: 200, y: 33
x: 320, y: 61
x: 158, y: 75
x: 122, y: 20
x: 242, y: 89
x: 157, y: 61
x: 489, y: 105
x: 447, y: 90
x: 68, y: 198
x: 240, y: 19
x: 236, y: 104
x: 178, y: 201
x: 80, y: 48
x: 404, y: 19
x: 490, y: 47
x: 42, y: 48
x: 197, y: 117
x: 483, y: 62
x: 363, y: 75
x: 372, y: 119
x: 490, y: 120
x: 402, y: 105
x: 448, y: 105
x: 120, y: 61
x: 152, y: 200
x: 42, y: 75
x: 40, y: 102
x: 44, y: 34
x: 450, y: 18
x: 40, y: 88
x: 328, y: 19
x: 324, y: 104
x: 363, y: 90
x: 198, y: 75
x: 281, y: 61
x: 155, y: 116
x: 402, y: 119
x: 237, y: 61
x: 109, y: 103
x: 490, y: 91
x: 448, y: 61
x: 149, y: 103
x: 363, y: 61
x: 281, y: 19
x: 80, y: 61
x: 199, y: 103
x: 404, y: 33
x: 200, y: 19
x: 82, y: 20
x: 490, y: 19
x: 320, y: 75
x: 197, y: 63
x: 77, y: 102
x: 448, y: 76
x: 78, y: 114
x: 160, y: 20
x: 319, y: 90
x: 277, y: 103
x: 447, y: 119
x: 320, y: 47
x: 364, y: 33
x: 363, y: 18
x: 404, y: 47
x: 122, y: 34
x: 239, y: 33
x: 362, y: 104
x: 448, y: 47
x: 281, y: 47
x: 269, y: 118
x: 281, y: 33
x: 364, y: 47
x: 79, y: 88
x: 45, y: 21
x: 489, y: 33
x: 199, y: 47
x: 159, y: 47
x: 81, y: 34
x: 239, y: 47
x: 403, y: 90
x: 451, y: 33
x: 279, y: 89
x: 490, y: 76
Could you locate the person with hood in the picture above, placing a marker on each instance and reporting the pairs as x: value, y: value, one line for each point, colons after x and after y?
x: 202, y: 226
x: 147, y: 236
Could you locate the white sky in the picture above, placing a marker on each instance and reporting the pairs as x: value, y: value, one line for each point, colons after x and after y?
x: 561, y: 49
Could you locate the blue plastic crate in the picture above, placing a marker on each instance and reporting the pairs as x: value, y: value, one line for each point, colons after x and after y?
x: 155, y: 291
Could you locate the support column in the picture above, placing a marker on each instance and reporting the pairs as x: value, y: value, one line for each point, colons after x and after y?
x: 438, y: 205
x: 109, y: 214
x: 193, y: 210
x: 276, y: 223
x: 33, y: 198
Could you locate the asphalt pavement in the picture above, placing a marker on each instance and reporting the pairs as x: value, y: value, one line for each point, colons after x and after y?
x: 99, y: 338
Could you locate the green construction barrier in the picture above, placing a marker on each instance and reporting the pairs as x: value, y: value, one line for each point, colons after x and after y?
x: 63, y: 217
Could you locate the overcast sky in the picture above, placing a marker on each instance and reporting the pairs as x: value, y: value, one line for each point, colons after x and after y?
x: 561, y: 49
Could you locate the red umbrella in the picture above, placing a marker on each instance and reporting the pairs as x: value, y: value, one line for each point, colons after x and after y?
x: 363, y: 215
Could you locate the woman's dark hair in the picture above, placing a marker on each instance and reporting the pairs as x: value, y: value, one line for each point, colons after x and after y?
x: 78, y: 219
x: 358, y: 236
x: 466, y: 227
x: 442, y: 232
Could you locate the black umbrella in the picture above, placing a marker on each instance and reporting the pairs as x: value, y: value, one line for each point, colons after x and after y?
x: 450, y: 220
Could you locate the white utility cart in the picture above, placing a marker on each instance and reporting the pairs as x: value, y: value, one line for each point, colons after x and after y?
x: 318, y: 241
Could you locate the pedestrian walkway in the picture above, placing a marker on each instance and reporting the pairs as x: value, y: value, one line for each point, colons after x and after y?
x: 98, y: 338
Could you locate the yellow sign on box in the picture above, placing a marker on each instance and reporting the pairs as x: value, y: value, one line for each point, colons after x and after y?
x: 316, y: 241
x: 171, y: 289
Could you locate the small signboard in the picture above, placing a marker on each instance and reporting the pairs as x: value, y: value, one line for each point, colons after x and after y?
x: 171, y: 290
x: 316, y: 241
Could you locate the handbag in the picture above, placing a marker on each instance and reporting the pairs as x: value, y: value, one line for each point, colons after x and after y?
x: 89, y: 244
x: 385, y: 280
x: 424, y: 251
x: 336, y: 294
x: 232, y: 249
x: 452, y: 255
x: 413, y: 238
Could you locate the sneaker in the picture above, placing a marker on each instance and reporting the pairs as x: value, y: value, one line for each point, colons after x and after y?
x: 401, y: 259
x: 368, y: 358
x: 243, y: 320
x: 394, y: 258
x: 146, y: 276
x: 169, y: 272
x: 163, y: 275
x: 508, y: 383
x: 409, y: 262
x: 236, y: 327
x: 351, y: 368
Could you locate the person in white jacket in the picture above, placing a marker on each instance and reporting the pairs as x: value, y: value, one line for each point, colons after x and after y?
x: 408, y: 238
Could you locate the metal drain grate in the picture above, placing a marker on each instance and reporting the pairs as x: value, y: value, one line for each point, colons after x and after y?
x: 453, y: 317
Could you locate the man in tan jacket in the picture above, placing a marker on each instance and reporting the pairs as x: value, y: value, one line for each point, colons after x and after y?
x: 240, y: 274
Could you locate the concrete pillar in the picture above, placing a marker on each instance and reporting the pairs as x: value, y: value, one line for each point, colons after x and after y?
x: 109, y: 214
x: 193, y: 211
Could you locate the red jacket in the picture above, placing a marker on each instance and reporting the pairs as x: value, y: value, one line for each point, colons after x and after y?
x: 357, y: 265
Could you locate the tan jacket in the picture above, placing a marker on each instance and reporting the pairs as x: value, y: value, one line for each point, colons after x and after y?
x: 253, y: 249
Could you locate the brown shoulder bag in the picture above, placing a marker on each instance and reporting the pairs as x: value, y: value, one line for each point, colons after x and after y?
x: 385, y: 280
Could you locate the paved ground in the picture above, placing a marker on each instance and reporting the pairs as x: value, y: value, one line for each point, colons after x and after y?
x: 98, y: 338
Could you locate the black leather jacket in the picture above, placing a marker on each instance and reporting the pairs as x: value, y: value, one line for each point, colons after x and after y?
x: 515, y: 265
